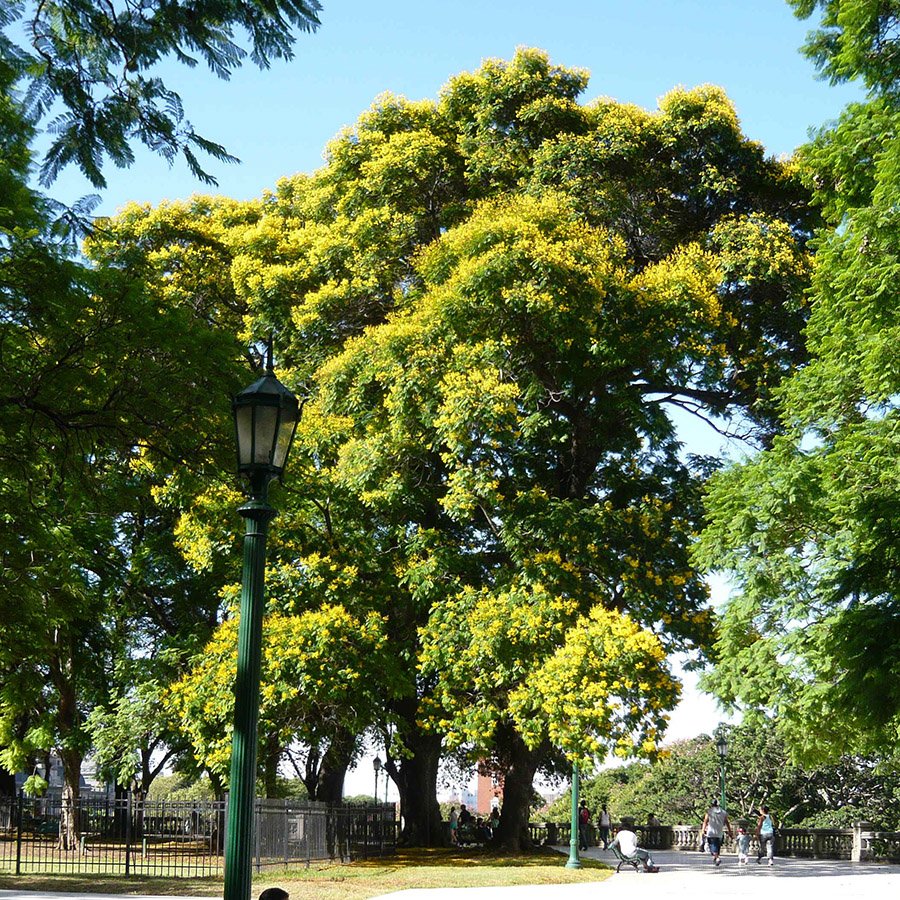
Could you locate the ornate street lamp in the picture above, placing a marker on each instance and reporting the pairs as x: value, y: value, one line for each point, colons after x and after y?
x: 376, y: 765
x: 722, y: 750
x: 265, y: 419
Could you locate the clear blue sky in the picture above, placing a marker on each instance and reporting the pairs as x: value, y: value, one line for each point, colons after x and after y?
x: 279, y: 121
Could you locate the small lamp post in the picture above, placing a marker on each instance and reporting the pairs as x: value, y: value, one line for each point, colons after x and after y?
x: 574, y: 862
x: 376, y: 765
x: 722, y: 750
x: 265, y: 419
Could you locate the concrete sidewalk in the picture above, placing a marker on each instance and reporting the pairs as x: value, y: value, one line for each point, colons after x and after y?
x: 692, y: 876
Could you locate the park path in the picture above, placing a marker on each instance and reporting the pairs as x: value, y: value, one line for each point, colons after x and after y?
x: 691, y: 876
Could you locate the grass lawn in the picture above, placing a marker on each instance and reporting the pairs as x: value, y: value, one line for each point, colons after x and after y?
x: 369, y: 878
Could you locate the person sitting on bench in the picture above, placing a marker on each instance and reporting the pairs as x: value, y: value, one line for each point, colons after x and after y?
x: 626, y: 841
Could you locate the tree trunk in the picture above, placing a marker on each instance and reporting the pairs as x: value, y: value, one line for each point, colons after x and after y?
x: 518, y: 790
x: 416, y: 780
x: 271, y: 754
x: 69, y: 826
x: 335, y: 762
x: 217, y: 838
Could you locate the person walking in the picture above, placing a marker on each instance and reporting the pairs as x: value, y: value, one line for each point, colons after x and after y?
x: 716, y: 826
x: 584, y: 824
x: 765, y: 834
x: 742, y: 845
x: 603, y: 823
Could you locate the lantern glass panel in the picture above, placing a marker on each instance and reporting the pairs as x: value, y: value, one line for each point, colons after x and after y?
x: 265, y: 431
x: 286, y: 428
x: 243, y: 418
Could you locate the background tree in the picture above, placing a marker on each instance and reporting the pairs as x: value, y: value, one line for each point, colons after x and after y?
x: 806, y: 529
x: 319, y: 689
x: 82, y: 548
x: 679, y: 785
x: 491, y: 356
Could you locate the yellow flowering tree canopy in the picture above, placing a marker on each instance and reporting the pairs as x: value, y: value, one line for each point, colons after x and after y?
x: 494, y: 303
x: 319, y: 684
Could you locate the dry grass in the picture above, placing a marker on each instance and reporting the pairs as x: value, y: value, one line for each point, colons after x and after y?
x: 368, y: 878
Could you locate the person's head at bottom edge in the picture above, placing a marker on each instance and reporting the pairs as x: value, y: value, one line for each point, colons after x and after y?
x: 274, y: 893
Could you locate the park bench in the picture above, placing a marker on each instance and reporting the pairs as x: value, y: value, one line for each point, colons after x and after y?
x: 635, y: 861
x: 43, y: 826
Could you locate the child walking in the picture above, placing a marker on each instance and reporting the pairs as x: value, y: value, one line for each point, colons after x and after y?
x: 742, y: 845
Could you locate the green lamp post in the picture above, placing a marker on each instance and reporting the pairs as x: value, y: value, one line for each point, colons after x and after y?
x: 265, y: 418
x: 722, y: 750
x: 574, y: 862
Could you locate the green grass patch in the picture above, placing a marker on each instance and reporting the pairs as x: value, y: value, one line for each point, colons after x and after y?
x: 366, y: 878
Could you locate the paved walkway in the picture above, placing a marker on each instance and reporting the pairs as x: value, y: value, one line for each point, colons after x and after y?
x: 691, y: 876
x: 682, y: 876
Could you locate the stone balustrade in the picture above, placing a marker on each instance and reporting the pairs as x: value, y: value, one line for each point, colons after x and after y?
x: 859, y: 844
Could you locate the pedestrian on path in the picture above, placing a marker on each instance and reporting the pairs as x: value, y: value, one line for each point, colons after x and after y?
x: 716, y: 826
x: 742, y: 845
x: 584, y: 823
x: 603, y: 822
x: 765, y: 834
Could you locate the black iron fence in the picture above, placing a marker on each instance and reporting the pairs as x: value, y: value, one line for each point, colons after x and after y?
x: 144, y: 837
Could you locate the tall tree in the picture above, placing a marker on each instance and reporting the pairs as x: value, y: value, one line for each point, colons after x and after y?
x: 807, y: 529
x: 88, y: 361
x: 491, y: 355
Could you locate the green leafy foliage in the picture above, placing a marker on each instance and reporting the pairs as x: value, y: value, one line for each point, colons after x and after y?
x: 493, y: 302
x: 679, y: 785
x: 855, y: 39
x: 91, y: 65
x: 807, y: 528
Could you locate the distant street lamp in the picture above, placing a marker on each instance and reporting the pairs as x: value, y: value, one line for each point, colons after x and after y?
x: 722, y: 750
x: 376, y: 765
x: 574, y: 862
x: 265, y: 419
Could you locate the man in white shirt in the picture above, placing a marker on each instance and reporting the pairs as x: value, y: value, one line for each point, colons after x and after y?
x: 626, y: 841
x: 715, y: 826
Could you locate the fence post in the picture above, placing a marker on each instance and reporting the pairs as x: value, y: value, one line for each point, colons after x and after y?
x: 19, y: 805
x: 859, y: 852
x: 128, y: 813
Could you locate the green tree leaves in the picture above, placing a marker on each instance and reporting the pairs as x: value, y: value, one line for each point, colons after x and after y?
x: 807, y: 528
x: 96, y: 60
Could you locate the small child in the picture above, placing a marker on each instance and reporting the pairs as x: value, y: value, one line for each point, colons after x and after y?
x: 742, y: 845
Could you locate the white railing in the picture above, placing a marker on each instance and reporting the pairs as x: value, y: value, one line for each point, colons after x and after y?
x: 859, y: 843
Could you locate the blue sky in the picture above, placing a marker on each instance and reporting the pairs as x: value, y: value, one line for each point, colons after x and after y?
x: 279, y: 121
